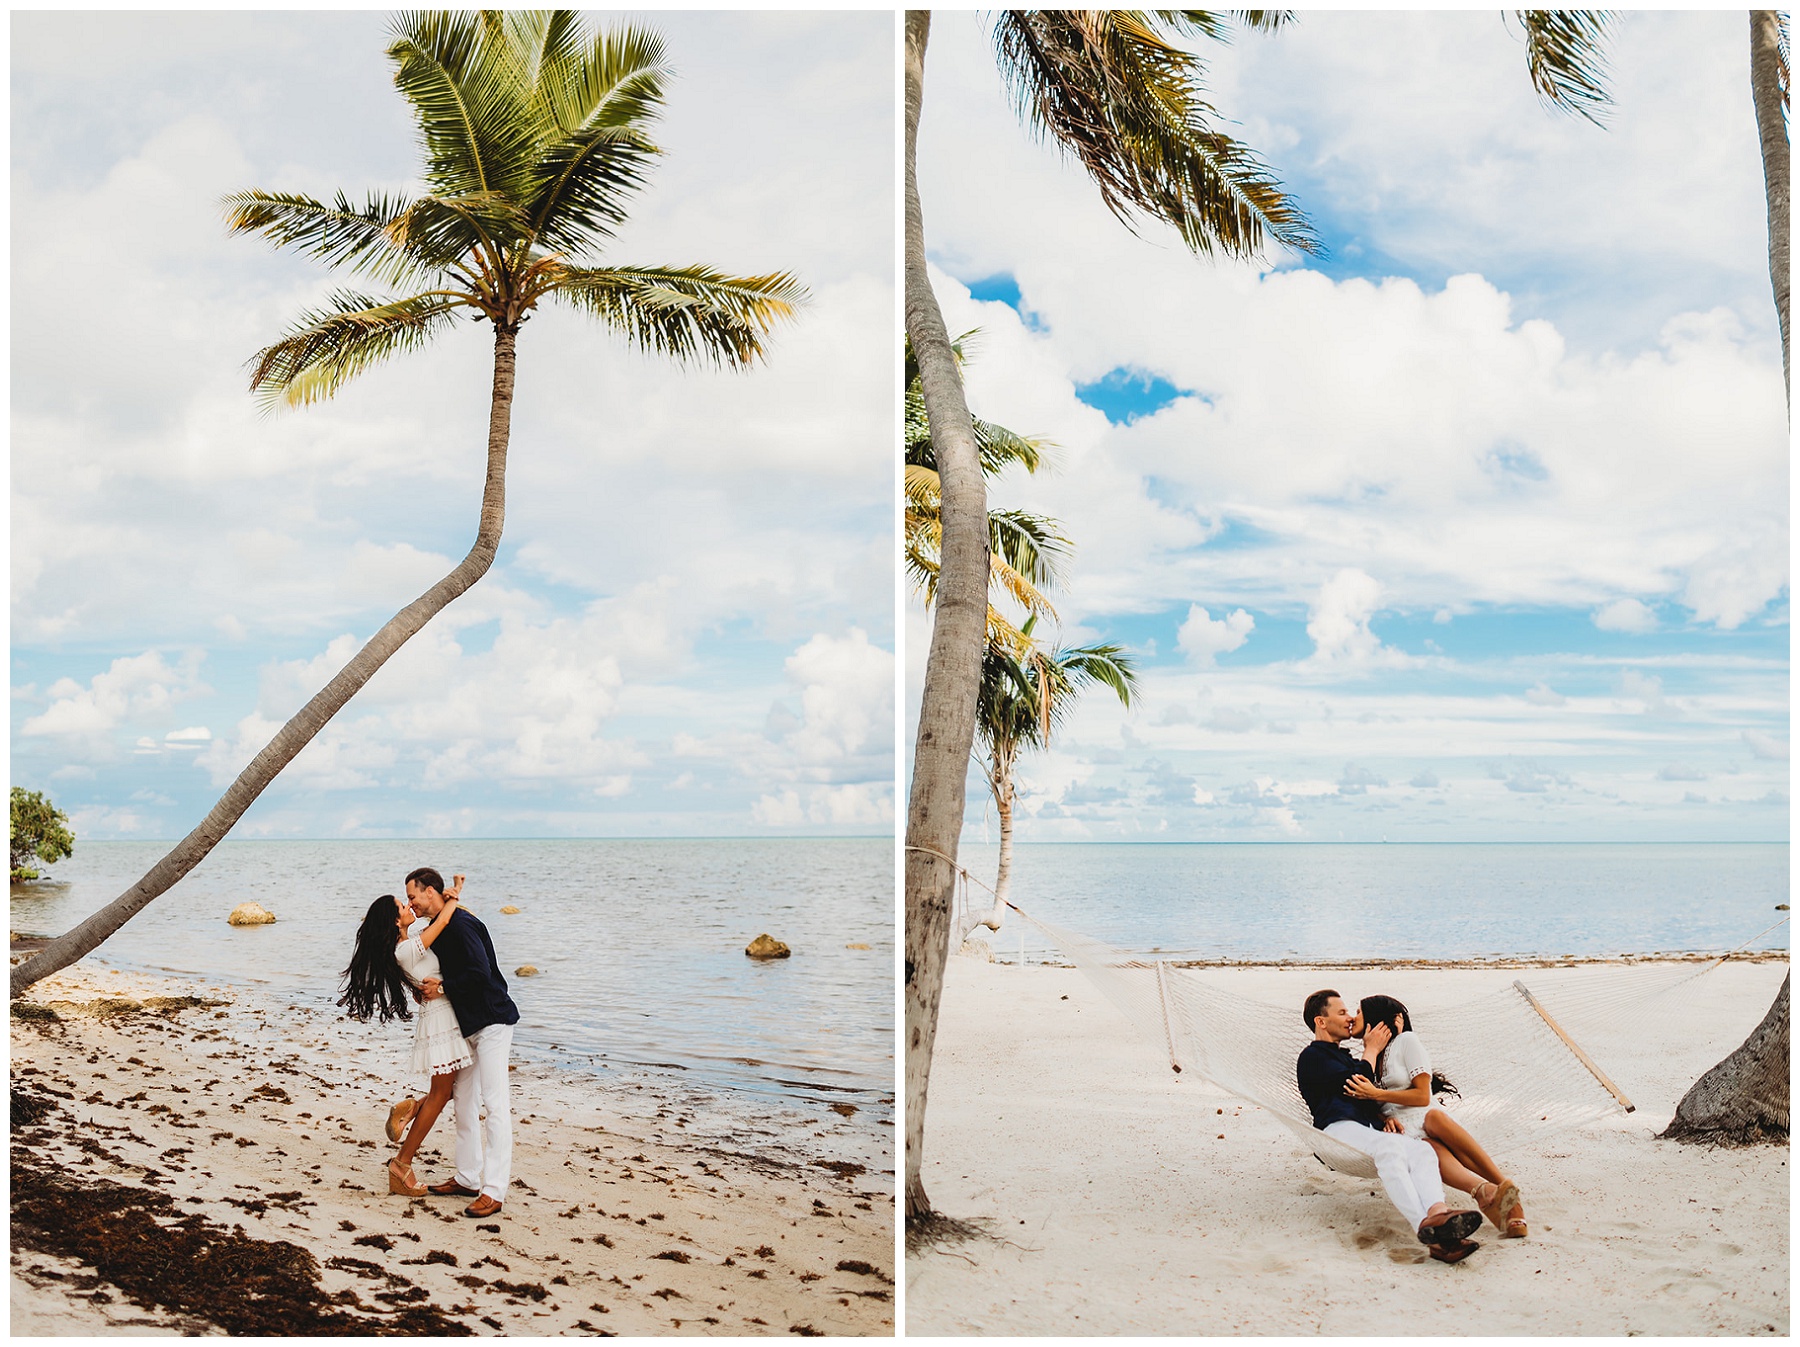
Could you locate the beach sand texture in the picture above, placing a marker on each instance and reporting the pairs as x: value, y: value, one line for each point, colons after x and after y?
x: 1124, y: 1199
x: 615, y: 1223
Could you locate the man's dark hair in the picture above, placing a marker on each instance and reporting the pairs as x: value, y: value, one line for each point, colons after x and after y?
x: 428, y: 878
x: 1315, y: 1004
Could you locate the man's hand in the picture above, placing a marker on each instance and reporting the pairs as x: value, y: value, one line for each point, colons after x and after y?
x: 1392, y: 1125
x: 1361, y: 1087
x: 1375, y: 1038
x: 431, y: 988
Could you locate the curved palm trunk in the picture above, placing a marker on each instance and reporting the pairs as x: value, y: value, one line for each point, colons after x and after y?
x: 314, y: 716
x: 958, y: 635
x: 1771, y: 130
x: 1000, y: 782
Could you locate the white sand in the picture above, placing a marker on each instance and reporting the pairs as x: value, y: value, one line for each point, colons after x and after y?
x: 1133, y: 1201
x: 603, y: 1182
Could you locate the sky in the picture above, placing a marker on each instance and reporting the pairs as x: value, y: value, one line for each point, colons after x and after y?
x: 1474, y: 529
x: 690, y: 626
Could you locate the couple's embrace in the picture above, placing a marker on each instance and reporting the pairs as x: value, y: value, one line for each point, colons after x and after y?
x: 1382, y: 1106
x: 464, y: 1036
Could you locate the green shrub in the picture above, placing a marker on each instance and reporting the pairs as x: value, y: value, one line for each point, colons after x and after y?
x: 40, y: 831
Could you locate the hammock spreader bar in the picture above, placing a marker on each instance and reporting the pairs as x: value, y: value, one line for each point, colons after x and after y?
x: 1575, y: 1047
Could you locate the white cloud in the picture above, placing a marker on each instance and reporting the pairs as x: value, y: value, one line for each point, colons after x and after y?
x: 1538, y: 694
x: 1766, y: 746
x: 137, y: 687
x: 1628, y: 615
x: 1203, y: 639
x: 1340, y: 616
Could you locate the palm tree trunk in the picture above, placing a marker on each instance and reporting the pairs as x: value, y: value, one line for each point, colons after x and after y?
x: 1000, y: 785
x: 953, y: 668
x: 313, y: 717
x: 1003, y: 876
x: 1771, y: 129
x: 1744, y: 1098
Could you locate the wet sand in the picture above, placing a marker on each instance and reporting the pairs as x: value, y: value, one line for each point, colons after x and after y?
x: 255, y: 1133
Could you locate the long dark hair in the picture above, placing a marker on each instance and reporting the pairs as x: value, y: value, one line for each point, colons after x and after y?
x: 1386, y: 1010
x: 373, y: 983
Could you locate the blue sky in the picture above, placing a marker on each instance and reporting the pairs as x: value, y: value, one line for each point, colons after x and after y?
x: 690, y: 626
x: 1476, y: 528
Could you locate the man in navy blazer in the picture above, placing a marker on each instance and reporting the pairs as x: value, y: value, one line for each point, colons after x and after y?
x: 486, y: 1015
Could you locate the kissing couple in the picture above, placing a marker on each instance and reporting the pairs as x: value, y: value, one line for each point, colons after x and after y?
x: 464, y: 1036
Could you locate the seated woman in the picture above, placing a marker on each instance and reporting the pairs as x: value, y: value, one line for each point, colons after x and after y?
x: 1404, y: 1087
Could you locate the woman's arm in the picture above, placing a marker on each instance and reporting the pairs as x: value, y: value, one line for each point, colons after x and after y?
x: 442, y: 920
x: 1419, y: 1096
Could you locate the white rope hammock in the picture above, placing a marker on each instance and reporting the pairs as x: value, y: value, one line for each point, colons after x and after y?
x: 1514, y: 1052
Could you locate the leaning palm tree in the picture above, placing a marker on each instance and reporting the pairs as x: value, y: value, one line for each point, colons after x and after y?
x: 535, y: 136
x: 1113, y: 90
x: 1023, y: 698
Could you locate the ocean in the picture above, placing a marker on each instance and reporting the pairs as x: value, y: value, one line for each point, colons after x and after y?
x: 1402, y: 901
x: 639, y: 944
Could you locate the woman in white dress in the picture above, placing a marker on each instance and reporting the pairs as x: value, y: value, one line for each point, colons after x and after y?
x: 1404, y: 1085
x: 388, y: 967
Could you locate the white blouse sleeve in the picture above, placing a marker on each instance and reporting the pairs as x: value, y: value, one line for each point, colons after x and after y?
x: 409, y: 954
x: 1410, y: 1056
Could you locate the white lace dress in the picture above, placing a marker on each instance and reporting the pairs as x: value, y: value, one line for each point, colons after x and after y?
x: 439, y: 1045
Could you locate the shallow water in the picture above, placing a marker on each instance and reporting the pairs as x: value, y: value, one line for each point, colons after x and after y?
x: 1326, y: 902
x: 639, y: 943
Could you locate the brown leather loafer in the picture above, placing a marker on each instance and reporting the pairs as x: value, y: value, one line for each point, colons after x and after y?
x: 1449, y: 1228
x: 482, y: 1206
x: 451, y: 1188
x: 1454, y: 1253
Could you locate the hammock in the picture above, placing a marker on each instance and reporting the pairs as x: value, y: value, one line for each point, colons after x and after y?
x: 1513, y: 1053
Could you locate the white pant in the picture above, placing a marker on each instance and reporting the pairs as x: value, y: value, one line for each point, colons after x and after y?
x: 489, y: 1167
x: 1408, y: 1168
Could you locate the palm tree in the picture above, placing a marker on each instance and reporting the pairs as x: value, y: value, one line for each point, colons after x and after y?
x: 1744, y: 1097
x: 535, y: 137
x: 1023, y: 699
x: 1025, y: 551
x: 1110, y: 88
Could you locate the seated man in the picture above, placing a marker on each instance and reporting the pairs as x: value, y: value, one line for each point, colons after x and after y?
x: 1408, y: 1167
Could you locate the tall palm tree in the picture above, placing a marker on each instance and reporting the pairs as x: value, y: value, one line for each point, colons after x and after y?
x: 1769, y: 95
x: 1025, y: 550
x: 1113, y: 90
x: 536, y: 135
x: 1023, y: 698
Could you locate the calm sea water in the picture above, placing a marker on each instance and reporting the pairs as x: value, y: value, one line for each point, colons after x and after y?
x: 1395, y: 901
x: 640, y: 945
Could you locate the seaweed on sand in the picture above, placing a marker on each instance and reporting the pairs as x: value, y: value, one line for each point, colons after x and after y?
x: 140, y: 1243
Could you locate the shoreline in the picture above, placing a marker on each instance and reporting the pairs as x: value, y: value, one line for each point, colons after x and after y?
x: 184, y: 1102
x: 1098, y: 1193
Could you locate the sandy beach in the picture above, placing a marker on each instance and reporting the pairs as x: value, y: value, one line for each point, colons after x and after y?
x: 1115, y: 1197
x: 241, y: 1144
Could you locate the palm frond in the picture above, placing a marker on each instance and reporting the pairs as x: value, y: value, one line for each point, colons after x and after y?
x: 338, y: 234
x: 1565, y: 51
x: 328, y: 347
x: 448, y: 228
x: 1111, y: 91
x: 1031, y: 544
x: 460, y: 73
x: 600, y: 103
x: 683, y: 312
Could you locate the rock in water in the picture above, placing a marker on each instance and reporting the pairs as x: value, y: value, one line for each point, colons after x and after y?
x: 250, y: 914
x: 510, y: 910
x: 977, y: 949
x: 766, y: 946
x: 525, y: 970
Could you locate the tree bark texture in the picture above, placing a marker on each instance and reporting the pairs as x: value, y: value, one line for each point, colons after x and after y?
x: 1771, y: 130
x: 317, y: 713
x: 958, y: 636
x: 1744, y: 1098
